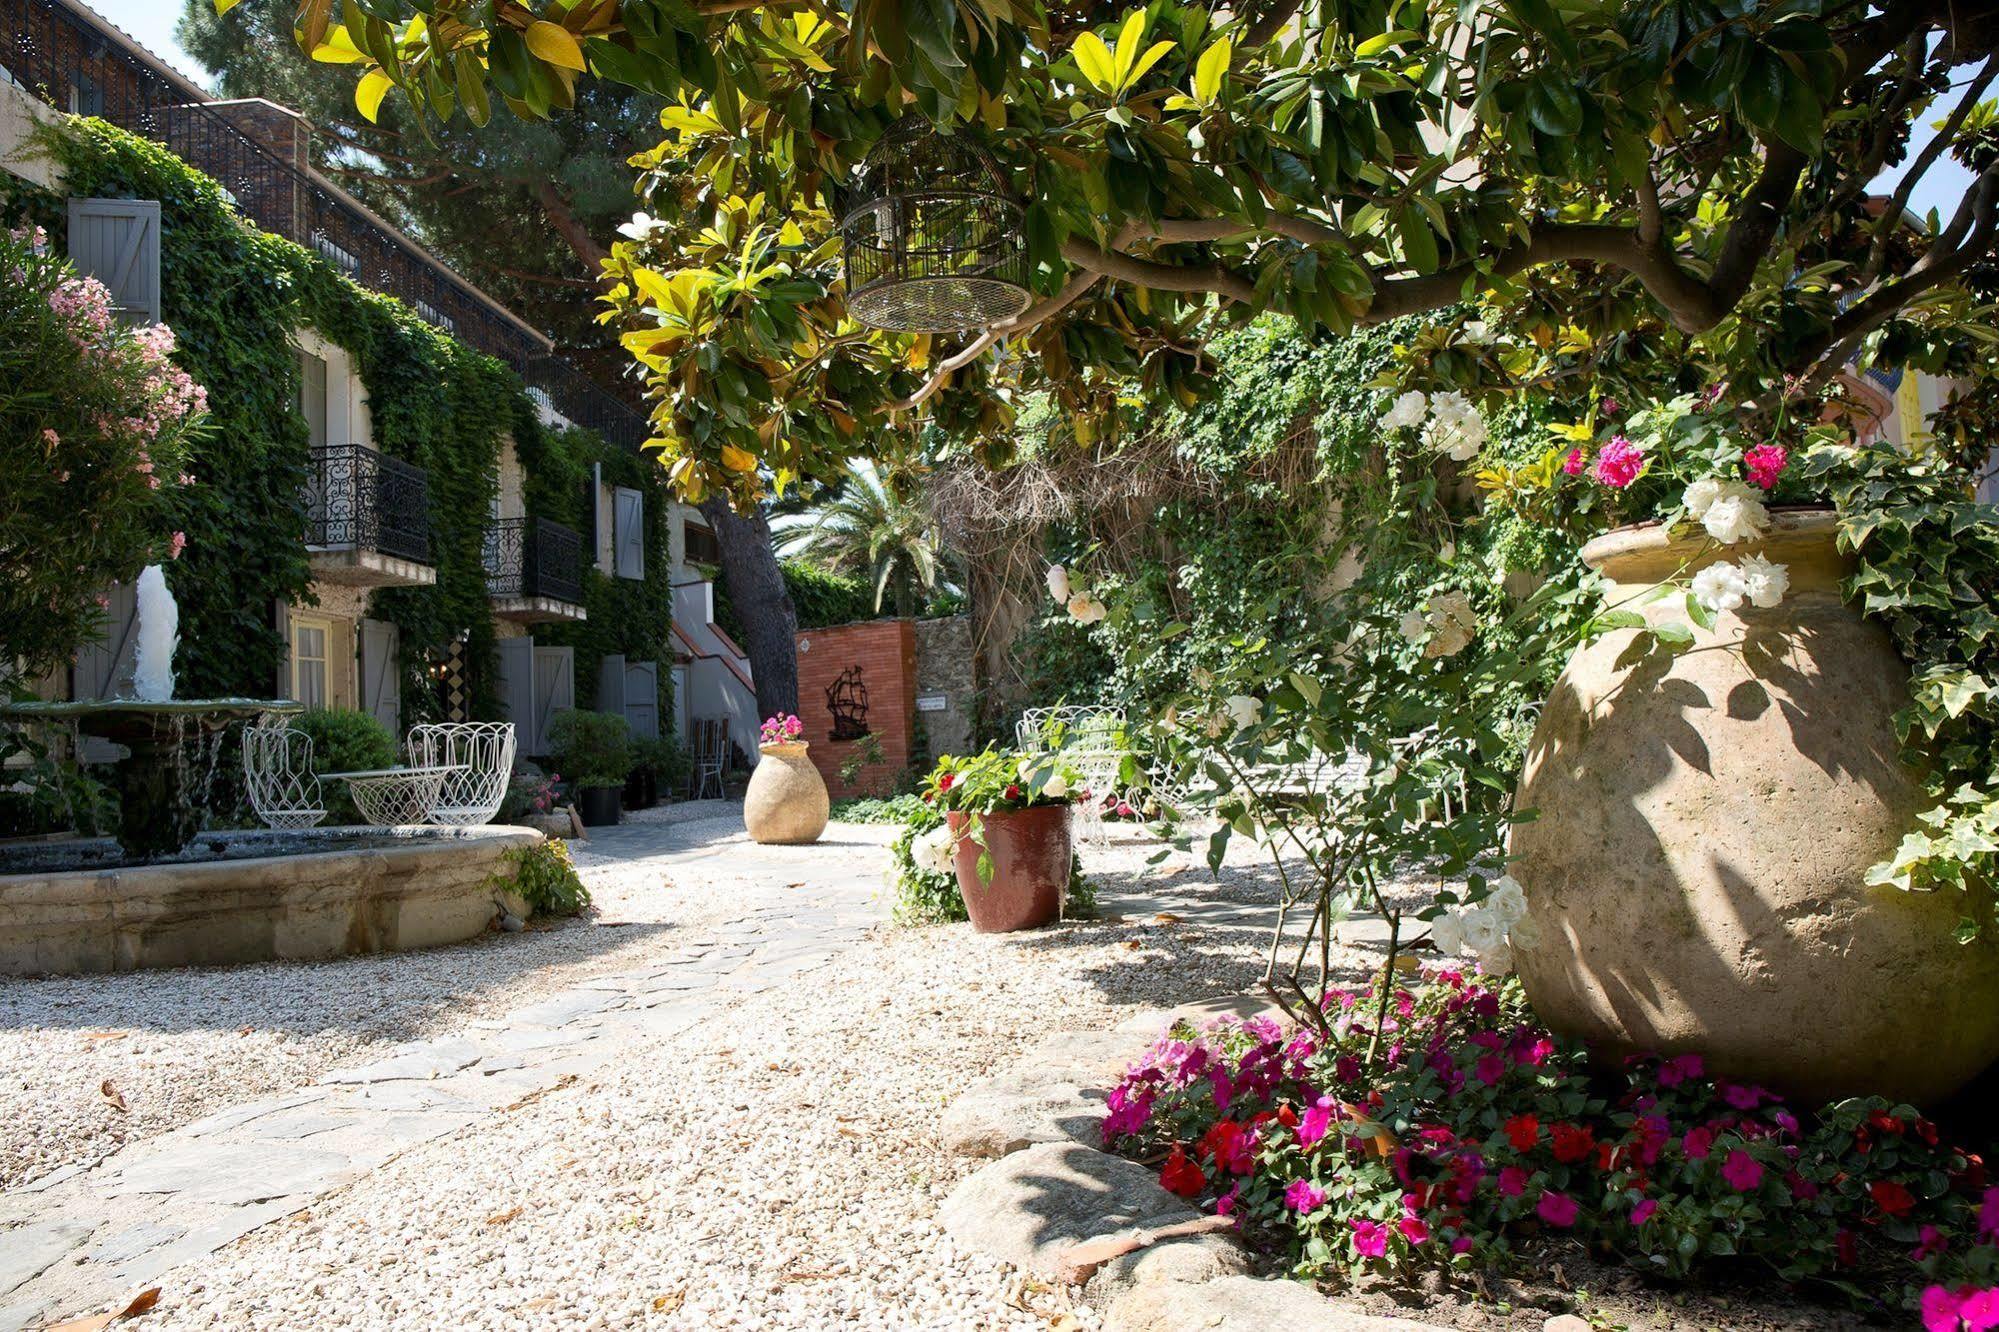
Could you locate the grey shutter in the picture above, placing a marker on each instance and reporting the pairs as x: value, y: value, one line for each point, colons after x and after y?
x: 680, y: 701
x: 629, y: 531
x: 513, y: 682
x: 642, y: 698
x: 117, y: 241
x: 381, y: 679
x: 281, y: 620
x: 554, y: 687
x: 104, y: 666
x: 611, y: 682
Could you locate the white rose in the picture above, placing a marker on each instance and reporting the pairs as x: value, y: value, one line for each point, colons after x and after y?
x: 1701, y: 495
x: 1720, y: 587
x: 1408, y: 410
x: 1452, y: 624
x: 1736, y: 515
x: 1484, y: 930
x: 1524, y: 933
x: 1243, y: 710
x: 1412, y: 625
x: 1475, y: 332
x: 1026, y: 769
x: 1057, y: 787
x: 1458, y: 440
x: 1764, y: 581
x: 1507, y: 898
x: 935, y: 850
x: 1086, y: 609
x: 1058, y: 583
x: 1447, y: 932
x: 1497, y: 960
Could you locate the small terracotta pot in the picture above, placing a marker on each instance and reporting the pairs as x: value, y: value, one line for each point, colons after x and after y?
x: 1031, y: 851
x: 786, y: 803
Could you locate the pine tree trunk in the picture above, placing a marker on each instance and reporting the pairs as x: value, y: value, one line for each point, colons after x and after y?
x: 756, y: 589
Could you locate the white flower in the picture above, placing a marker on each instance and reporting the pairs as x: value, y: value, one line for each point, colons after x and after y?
x: 1701, y: 495
x: 1736, y: 515
x: 935, y: 852
x: 1057, y: 786
x: 1086, y: 609
x: 1452, y: 624
x: 1524, y: 933
x: 1484, y: 930
x: 1447, y: 932
x: 1026, y: 769
x: 1412, y: 625
x: 1507, y: 899
x: 1448, y: 552
x: 1243, y: 710
x: 1456, y: 430
x: 1058, y: 583
x: 1475, y: 332
x: 1764, y: 581
x: 1720, y: 587
x: 1408, y: 410
x: 1496, y: 960
x: 642, y: 226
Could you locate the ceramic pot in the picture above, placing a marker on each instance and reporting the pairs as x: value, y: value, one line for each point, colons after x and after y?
x: 786, y: 803
x: 599, y: 805
x: 1706, y: 820
x: 1031, y: 853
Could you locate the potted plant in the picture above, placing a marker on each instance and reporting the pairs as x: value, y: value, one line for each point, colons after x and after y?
x: 786, y: 803
x: 595, y: 749
x: 1010, y: 842
x: 660, y: 766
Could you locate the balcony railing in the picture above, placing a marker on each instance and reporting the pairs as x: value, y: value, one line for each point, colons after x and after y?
x: 63, y: 57
x: 532, y: 557
x: 357, y: 498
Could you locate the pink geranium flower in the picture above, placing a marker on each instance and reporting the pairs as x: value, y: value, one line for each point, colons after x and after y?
x: 1765, y: 463
x: 1619, y: 463
x: 1573, y: 464
x: 1742, y: 1171
x: 1557, y: 1209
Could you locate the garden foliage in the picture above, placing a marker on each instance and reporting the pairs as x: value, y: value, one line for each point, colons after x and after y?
x: 345, y: 740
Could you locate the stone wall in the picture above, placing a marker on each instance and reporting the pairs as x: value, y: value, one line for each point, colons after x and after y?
x: 882, y: 653
x: 944, y: 667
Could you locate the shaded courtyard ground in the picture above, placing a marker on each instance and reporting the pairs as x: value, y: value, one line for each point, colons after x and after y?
x: 752, y: 1144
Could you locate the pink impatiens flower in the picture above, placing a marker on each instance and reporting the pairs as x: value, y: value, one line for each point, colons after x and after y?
x: 1413, y: 1229
x: 1698, y: 1143
x: 1765, y: 463
x: 1302, y: 1195
x: 1313, y: 1124
x: 1619, y: 462
x: 1557, y: 1209
x: 1512, y: 1181
x: 1742, y: 1171
x: 1370, y: 1238
x: 1643, y: 1211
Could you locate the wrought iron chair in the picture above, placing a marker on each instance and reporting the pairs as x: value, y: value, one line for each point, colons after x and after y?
x: 711, y: 753
x: 481, y: 758
x: 1090, y: 739
x: 277, y: 770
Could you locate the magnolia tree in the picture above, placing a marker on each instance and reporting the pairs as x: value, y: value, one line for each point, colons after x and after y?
x: 1674, y: 183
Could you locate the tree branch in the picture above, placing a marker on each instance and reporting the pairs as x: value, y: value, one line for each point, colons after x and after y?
x: 1271, y: 24
x: 1161, y: 277
x: 1891, y: 218
x: 567, y: 225
x: 1079, y: 282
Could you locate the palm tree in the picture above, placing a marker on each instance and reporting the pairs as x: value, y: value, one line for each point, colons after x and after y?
x: 876, y: 526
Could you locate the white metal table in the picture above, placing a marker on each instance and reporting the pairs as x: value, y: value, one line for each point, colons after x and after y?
x: 388, y: 797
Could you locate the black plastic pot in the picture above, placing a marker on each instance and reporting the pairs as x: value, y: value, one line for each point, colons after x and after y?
x: 641, y: 788
x: 599, y: 805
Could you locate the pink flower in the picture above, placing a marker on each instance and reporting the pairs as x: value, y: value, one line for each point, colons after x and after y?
x: 1612, y: 407
x: 1490, y: 1069
x: 177, y: 545
x: 1225, y: 1204
x: 1643, y: 1211
x: 1413, y: 1229
x: 1462, y: 1244
x: 1573, y: 464
x: 1370, y: 1238
x: 1698, y: 1143
x: 1929, y: 1241
x: 1980, y: 1310
x: 1679, y: 1068
x: 51, y: 439
x: 1302, y: 1195
x: 1557, y: 1209
x: 1619, y: 463
x: 1765, y: 463
x: 1742, y: 1171
x: 1940, y: 1310
x: 1512, y: 1181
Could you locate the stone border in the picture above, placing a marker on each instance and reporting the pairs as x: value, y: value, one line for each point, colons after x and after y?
x: 1062, y: 1210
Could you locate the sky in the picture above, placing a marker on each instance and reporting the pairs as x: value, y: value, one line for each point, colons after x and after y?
x: 152, y: 22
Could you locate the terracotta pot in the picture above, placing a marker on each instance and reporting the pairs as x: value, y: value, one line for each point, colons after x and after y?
x: 1032, y: 853
x: 1706, y: 822
x: 786, y: 803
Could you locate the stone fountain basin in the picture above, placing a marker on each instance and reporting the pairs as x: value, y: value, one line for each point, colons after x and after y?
x: 254, y: 896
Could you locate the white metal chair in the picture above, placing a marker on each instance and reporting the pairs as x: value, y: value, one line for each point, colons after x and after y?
x: 1091, y: 740
x: 480, y: 756
x: 277, y: 770
x: 710, y: 752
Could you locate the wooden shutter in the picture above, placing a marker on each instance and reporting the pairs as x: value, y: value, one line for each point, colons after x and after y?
x: 629, y: 532
x: 381, y: 676
x: 680, y: 701
x: 611, y: 682
x: 513, y: 682
x: 117, y: 241
x: 554, y: 687
x: 642, y: 698
x: 104, y: 666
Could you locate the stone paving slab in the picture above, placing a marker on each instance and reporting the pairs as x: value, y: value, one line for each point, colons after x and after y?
x: 80, y: 1239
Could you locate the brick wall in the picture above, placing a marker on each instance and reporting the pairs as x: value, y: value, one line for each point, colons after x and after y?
x: 885, y: 652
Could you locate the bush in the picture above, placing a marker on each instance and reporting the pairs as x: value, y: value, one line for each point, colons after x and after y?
x: 669, y: 760
x: 345, y: 740
x: 545, y: 879
x: 591, y: 748
x: 871, y: 809
x: 527, y: 794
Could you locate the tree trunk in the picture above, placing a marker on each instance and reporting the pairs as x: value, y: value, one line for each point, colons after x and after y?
x: 756, y: 589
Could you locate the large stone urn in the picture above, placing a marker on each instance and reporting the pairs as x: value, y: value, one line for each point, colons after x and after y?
x: 786, y: 803
x: 1706, y: 819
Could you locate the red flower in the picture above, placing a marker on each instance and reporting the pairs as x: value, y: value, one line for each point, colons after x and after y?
x: 1572, y: 1142
x: 1181, y: 1176
x: 1523, y: 1131
x: 1847, y: 1251
x: 1013, y: 792
x: 944, y: 782
x: 1891, y: 1197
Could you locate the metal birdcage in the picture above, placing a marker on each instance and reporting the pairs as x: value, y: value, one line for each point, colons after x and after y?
x: 934, y: 241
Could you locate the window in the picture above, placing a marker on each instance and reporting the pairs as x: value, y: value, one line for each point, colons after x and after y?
x: 86, y: 97
x: 312, y: 396
x: 309, y: 660
x: 702, y: 547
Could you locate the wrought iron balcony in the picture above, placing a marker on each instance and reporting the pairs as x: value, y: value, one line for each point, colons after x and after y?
x: 533, y: 559
x: 359, y: 500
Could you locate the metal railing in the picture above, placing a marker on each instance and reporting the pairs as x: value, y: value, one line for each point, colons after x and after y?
x: 533, y: 557
x: 359, y: 498
x: 64, y: 57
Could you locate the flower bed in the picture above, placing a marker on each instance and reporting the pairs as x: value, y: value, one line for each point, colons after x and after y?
x: 1440, y: 1126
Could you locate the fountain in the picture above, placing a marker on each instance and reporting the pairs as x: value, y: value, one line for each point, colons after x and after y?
x: 171, y: 895
x: 161, y: 787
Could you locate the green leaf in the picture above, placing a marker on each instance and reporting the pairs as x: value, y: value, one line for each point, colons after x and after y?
x: 1674, y: 633
x: 1093, y: 58
x: 1210, y: 69
x: 1419, y: 243
x: 1380, y: 42
x: 1699, y: 613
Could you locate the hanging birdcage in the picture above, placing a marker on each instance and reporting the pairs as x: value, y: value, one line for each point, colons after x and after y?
x: 934, y: 240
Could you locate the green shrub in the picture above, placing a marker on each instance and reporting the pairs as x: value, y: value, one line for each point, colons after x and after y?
x: 668, y: 758
x: 345, y: 740
x: 591, y: 748
x: 545, y: 879
x: 869, y: 809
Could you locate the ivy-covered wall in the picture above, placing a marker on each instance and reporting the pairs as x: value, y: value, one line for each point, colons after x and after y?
x: 234, y: 296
